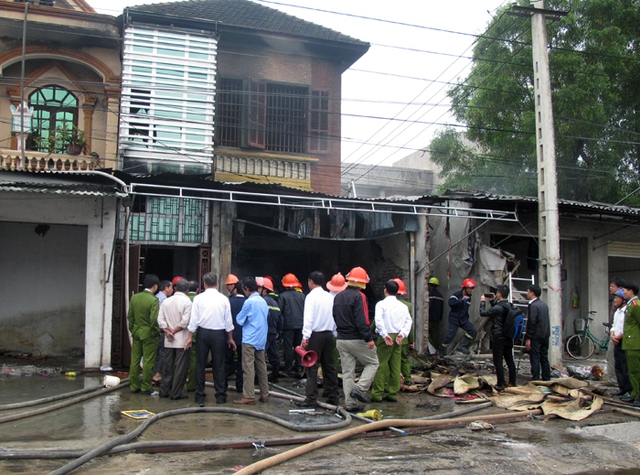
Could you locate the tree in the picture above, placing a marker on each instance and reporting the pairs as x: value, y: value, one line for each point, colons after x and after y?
x: 595, y: 67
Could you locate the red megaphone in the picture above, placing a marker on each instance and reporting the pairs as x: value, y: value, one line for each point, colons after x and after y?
x: 309, y: 358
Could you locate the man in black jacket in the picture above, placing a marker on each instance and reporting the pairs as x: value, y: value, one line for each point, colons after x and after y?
x: 291, y: 303
x: 538, y: 333
x: 502, y: 346
x: 355, y: 342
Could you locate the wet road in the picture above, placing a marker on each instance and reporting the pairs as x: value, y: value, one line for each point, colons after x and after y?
x: 553, y: 446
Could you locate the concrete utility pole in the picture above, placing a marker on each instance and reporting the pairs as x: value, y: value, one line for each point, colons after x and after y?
x: 548, y: 217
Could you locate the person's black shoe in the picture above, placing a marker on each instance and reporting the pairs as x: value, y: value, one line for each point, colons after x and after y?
x: 221, y: 401
x: 333, y: 402
x: 354, y: 409
x: 619, y: 392
x: 626, y: 398
x: 356, y: 394
x: 636, y: 403
x: 307, y: 404
x: 135, y: 391
x: 182, y: 396
x: 146, y: 393
x: 498, y: 388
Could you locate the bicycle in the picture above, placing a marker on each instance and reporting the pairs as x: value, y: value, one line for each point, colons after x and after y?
x: 582, y: 345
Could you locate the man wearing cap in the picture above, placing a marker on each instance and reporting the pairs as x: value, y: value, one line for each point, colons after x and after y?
x: 291, y: 303
x: 631, y: 340
x: 436, y: 309
x: 233, y: 358
x: 459, y: 303
x: 211, y: 317
x: 318, y: 334
x: 620, y: 357
x: 143, y: 325
x: 538, y: 332
x: 275, y: 322
x: 173, y: 319
x: 355, y: 341
x: 393, y: 324
x: 336, y: 284
x: 409, y: 342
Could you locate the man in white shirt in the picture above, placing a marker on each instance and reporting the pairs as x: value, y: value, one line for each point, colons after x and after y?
x: 211, y: 316
x: 173, y: 318
x: 318, y: 334
x: 393, y: 324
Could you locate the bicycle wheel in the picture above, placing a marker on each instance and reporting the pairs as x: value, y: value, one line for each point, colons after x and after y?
x: 580, y: 347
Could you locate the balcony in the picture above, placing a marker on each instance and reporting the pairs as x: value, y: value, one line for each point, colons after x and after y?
x: 293, y: 171
x: 10, y: 160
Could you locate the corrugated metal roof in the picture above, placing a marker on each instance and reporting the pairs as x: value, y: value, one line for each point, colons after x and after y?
x: 60, y: 183
x: 591, y: 207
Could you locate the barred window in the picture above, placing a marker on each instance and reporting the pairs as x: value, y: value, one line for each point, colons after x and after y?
x: 286, y: 118
x: 229, y: 112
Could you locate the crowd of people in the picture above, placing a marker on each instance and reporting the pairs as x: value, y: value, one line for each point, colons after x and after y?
x: 178, y: 331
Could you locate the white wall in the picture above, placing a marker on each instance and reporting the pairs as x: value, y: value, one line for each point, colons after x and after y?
x: 59, y: 282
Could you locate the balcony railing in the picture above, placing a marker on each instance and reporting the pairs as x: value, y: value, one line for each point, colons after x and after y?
x: 236, y: 166
x: 43, y: 161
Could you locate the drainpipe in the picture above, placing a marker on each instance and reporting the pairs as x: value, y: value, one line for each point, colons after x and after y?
x: 412, y: 280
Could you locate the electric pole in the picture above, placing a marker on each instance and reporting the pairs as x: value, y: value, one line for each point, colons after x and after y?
x: 548, y: 216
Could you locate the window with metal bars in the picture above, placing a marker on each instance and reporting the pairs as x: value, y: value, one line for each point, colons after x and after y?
x: 229, y: 112
x: 286, y: 118
x: 273, y: 117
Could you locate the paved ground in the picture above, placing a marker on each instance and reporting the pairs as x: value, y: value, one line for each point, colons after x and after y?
x: 607, y: 442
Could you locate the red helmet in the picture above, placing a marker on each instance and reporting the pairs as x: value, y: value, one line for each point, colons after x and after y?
x: 337, y: 283
x: 402, y: 289
x: 470, y: 283
x: 268, y: 284
x: 232, y: 279
x: 290, y: 281
x: 176, y: 279
x: 358, y: 274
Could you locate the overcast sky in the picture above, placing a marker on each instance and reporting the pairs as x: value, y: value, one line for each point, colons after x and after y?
x: 387, y: 117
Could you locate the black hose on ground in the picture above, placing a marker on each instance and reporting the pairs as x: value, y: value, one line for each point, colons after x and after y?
x: 95, y: 393
x: 108, y: 446
x: 36, y: 402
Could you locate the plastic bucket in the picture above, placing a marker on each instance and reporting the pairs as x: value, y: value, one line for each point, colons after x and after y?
x: 110, y: 381
x: 579, y: 325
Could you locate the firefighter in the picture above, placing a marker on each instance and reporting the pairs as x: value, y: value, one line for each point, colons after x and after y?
x: 459, y: 318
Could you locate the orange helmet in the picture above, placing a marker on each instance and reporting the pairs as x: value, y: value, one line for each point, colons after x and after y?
x: 232, y: 279
x: 469, y: 283
x: 267, y: 283
x: 337, y: 283
x: 402, y: 289
x: 358, y: 274
x: 290, y: 281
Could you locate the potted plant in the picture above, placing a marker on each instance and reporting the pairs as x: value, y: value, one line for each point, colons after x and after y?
x: 63, y: 139
x: 70, y: 139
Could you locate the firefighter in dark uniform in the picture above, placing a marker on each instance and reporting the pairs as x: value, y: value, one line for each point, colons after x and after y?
x: 459, y: 318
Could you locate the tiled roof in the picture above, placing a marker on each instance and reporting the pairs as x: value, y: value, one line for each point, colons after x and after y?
x: 247, y: 14
x: 61, y: 183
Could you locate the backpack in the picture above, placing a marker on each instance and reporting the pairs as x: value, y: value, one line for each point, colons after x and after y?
x: 513, y: 326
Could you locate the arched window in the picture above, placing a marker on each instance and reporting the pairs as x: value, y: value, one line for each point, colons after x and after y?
x: 53, y: 106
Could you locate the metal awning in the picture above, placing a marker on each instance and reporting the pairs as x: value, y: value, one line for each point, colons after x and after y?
x: 312, y: 201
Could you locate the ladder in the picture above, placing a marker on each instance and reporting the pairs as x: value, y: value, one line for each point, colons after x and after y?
x: 519, y: 298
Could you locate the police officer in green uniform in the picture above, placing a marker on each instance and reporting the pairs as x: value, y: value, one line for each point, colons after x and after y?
x: 631, y: 339
x: 405, y: 363
x: 143, y: 325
